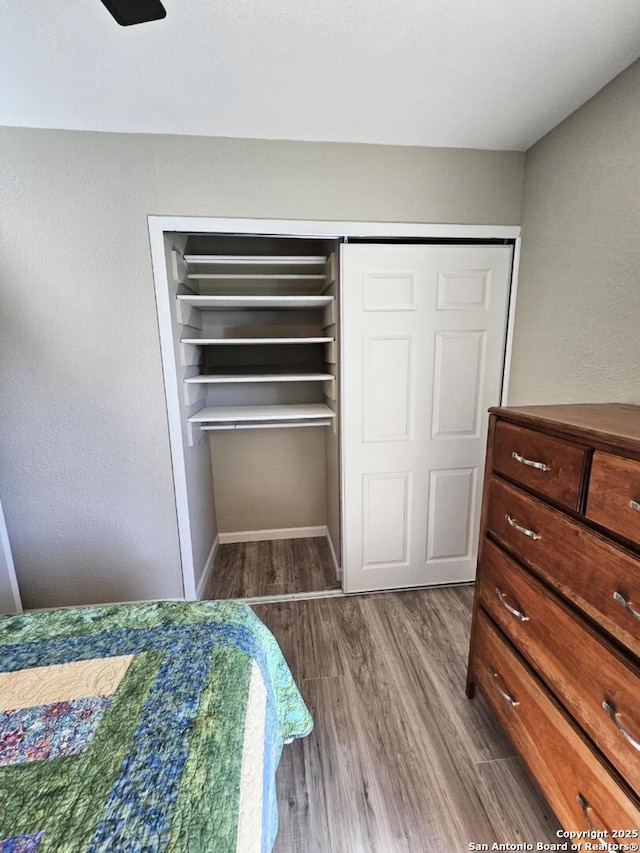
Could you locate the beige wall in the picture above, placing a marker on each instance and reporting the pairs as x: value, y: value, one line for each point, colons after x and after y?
x: 86, y: 475
x: 308, y: 180
x: 578, y: 312
x: 86, y: 481
x: 280, y: 481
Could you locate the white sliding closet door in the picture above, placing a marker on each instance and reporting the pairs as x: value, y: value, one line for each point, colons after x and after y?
x: 424, y: 332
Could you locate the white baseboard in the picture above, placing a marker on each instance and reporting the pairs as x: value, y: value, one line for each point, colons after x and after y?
x: 334, y: 558
x: 275, y: 533
x: 208, y: 566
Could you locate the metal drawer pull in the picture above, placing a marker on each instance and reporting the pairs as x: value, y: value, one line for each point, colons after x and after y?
x: 525, y: 530
x: 611, y: 711
x: 539, y: 465
x: 634, y: 505
x: 619, y: 597
x: 508, y: 607
x: 584, y: 805
x: 502, y: 692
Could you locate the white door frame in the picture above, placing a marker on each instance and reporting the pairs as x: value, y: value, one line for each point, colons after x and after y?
x: 7, y: 568
x: 326, y: 229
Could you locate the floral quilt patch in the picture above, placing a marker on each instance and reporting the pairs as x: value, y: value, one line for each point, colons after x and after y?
x: 49, y: 731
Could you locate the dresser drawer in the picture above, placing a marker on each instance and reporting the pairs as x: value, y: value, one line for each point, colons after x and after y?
x: 580, y: 669
x: 551, y: 466
x: 614, y: 495
x: 578, y: 786
x: 602, y: 579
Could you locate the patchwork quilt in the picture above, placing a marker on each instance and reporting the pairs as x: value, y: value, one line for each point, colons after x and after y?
x: 144, y: 727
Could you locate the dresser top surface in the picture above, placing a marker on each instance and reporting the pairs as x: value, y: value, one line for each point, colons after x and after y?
x: 617, y: 424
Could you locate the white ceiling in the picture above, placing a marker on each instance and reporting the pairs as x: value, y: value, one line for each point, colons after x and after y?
x: 465, y: 73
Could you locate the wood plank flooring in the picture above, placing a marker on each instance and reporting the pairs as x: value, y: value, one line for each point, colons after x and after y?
x: 279, y: 567
x: 400, y: 759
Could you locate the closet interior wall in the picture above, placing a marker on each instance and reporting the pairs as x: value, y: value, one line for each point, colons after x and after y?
x: 331, y: 398
x: 197, y: 455
x: 260, y: 417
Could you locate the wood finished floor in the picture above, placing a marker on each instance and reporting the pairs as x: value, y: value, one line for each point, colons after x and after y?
x: 280, y: 567
x: 400, y: 759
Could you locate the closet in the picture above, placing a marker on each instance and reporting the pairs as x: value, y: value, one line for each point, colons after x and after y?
x: 332, y: 384
x: 256, y: 354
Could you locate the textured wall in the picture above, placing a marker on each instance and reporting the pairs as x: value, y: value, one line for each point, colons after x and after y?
x: 84, y: 452
x: 86, y: 482
x: 307, y: 180
x: 578, y: 312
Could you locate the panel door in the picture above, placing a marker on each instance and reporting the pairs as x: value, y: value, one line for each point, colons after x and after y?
x: 424, y: 339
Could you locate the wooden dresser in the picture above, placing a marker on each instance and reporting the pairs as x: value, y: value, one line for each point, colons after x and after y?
x: 555, y: 646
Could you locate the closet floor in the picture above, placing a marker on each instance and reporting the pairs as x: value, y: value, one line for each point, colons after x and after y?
x: 276, y: 567
x: 399, y: 761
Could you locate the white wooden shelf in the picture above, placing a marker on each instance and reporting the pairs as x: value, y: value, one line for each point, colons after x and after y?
x: 229, y: 283
x: 321, y: 422
x: 259, y: 340
x: 225, y: 378
x: 258, y: 276
x: 219, y: 303
x: 257, y: 260
x: 239, y: 414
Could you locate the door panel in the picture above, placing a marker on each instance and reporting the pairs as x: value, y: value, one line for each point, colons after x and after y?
x: 451, y: 513
x: 463, y: 289
x: 387, y: 388
x: 389, y: 292
x: 457, y: 383
x: 387, y: 519
x: 423, y: 358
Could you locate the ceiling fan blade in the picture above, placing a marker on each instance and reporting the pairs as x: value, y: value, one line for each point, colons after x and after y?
x: 128, y: 12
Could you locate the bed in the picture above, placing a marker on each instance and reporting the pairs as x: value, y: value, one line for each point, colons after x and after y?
x: 142, y: 727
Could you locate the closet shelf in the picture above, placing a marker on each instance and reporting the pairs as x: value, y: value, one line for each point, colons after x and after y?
x: 213, y: 303
x: 257, y: 260
x: 258, y: 276
x: 238, y: 414
x: 223, y: 378
x: 266, y: 425
x: 259, y: 340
